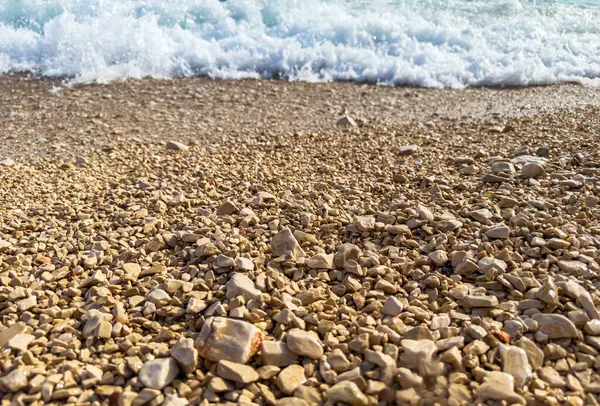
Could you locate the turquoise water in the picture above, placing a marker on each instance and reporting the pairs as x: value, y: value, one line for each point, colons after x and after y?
x: 434, y: 43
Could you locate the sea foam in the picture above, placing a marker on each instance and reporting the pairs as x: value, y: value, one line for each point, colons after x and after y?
x: 431, y: 43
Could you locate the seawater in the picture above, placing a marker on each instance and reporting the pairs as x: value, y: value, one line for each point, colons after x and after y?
x: 430, y: 43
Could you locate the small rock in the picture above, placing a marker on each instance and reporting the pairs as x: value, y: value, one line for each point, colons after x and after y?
x: 233, y: 371
x: 228, y: 339
x: 392, y: 307
x: 20, y: 342
x: 346, y: 121
x: 158, y: 373
x: 500, y: 232
x: 14, y: 380
x: 515, y: 363
x: 277, y: 353
x: 285, y: 243
x: 306, y: 343
x: 7, y: 162
x: 407, y: 149
x: 499, y: 386
x: 555, y: 326
x: 532, y: 170
x: 227, y: 208
x: 439, y: 257
x: 290, y: 378
x: 346, y: 392
x: 241, y: 285
x: 364, y: 223
x: 185, y: 354
x: 176, y: 145
x: 417, y: 352
x: 321, y: 261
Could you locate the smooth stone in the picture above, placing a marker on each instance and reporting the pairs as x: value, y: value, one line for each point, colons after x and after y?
x: 158, y: 373
x: 236, y: 372
x: 515, y: 363
x: 176, y: 145
x: 14, y: 381
x: 290, y: 378
x: 501, y: 232
x: 277, y: 353
x: 346, y: 392
x: 532, y: 170
x: 392, y: 307
x: 346, y: 121
x: 321, y: 261
x: 306, y: 343
x: 555, y: 326
x: 417, y: 352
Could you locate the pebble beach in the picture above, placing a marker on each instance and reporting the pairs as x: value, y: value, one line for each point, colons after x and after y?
x: 255, y: 242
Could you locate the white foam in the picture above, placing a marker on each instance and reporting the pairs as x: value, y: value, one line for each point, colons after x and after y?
x: 434, y: 43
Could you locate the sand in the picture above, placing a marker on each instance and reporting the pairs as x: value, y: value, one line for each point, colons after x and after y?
x: 201, y: 242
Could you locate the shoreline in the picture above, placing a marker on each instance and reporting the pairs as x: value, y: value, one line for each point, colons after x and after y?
x: 202, y: 109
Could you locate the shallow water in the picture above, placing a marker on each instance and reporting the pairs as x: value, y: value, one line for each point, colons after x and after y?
x: 433, y: 43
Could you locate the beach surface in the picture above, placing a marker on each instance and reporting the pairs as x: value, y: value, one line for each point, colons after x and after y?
x: 193, y: 241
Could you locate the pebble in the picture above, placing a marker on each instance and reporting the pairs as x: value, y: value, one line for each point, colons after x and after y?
x: 290, y: 378
x: 176, y: 145
x: 235, y: 372
x: 346, y: 392
x: 515, y: 363
x: 500, y: 232
x: 241, y: 285
x: 228, y: 339
x: 158, y: 373
x: 14, y: 380
x: 305, y: 343
x: 185, y: 354
x: 499, y: 386
x: 285, y: 243
x: 555, y: 326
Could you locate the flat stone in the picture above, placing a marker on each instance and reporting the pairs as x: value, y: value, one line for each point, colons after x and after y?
x: 158, y: 295
x: 306, y: 343
x: 407, y: 149
x: 575, y: 268
x: 7, y: 162
x: 500, y: 232
x: 290, y: 378
x: 346, y: 392
x: 285, y: 243
x: 321, y: 261
x: 555, y: 326
x: 499, y: 386
x: 20, y: 342
x: 244, y: 264
x: 552, y: 377
x: 535, y: 355
x: 277, y: 353
x: 185, y: 354
x: 479, y: 301
x: 228, y: 339
x: 481, y: 215
x: 158, y: 373
x: 176, y: 145
x: 7, y: 334
x: 236, y: 372
x: 487, y: 263
x: 515, y: 363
